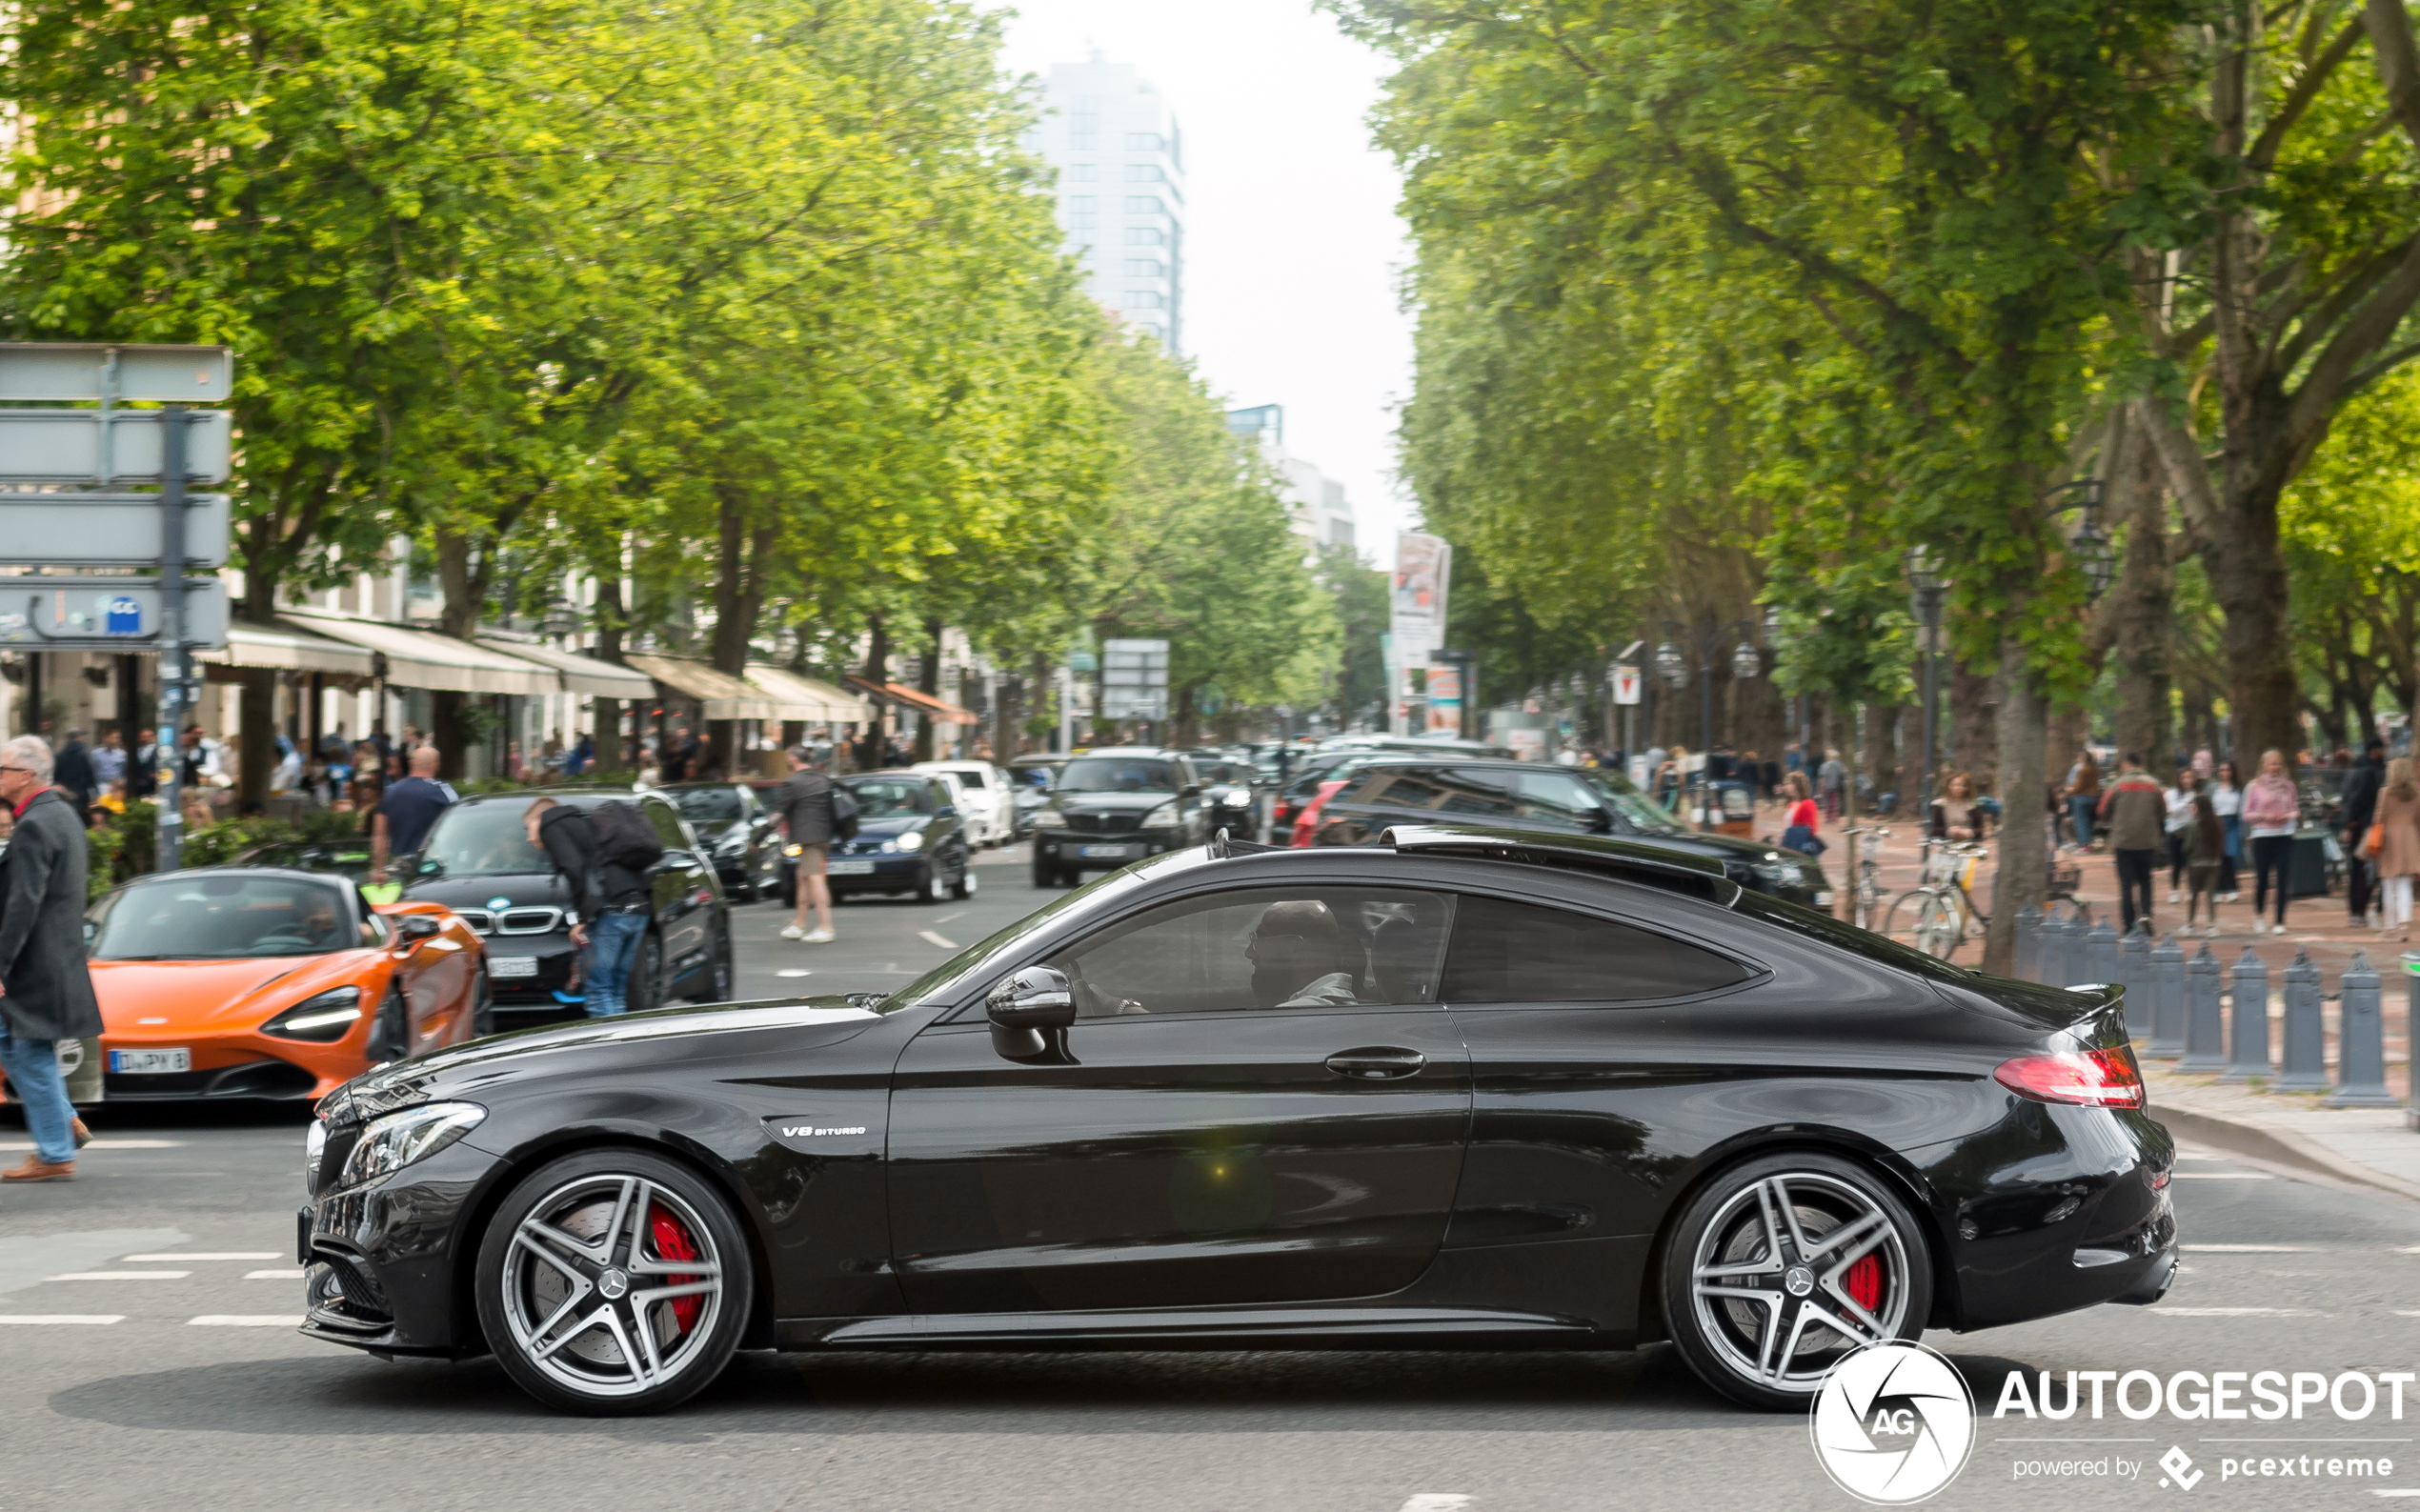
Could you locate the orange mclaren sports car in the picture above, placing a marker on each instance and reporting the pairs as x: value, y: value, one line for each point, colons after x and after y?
x: 253, y: 981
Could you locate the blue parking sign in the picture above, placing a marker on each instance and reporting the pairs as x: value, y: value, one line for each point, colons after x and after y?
x: 123, y: 616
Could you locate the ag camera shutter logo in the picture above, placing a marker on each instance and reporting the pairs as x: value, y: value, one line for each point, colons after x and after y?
x: 1893, y: 1424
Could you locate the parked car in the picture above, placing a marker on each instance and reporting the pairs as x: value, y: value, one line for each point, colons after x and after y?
x: 1565, y: 801
x: 228, y: 982
x: 735, y: 827
x: 478, y: 861
x: 1115, y: 805
x: 1231, y: 793
x: 1418, y: 745
x: 986, y: 803
x: 911, y: 841
x: 1479, y: 1087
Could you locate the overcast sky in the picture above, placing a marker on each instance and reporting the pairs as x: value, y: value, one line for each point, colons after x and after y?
x: 1293, y: 248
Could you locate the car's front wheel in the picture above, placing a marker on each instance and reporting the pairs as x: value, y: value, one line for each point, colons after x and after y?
x: 1784, y: 1263
x: 612, y: 1282
x: 966, y: 880
x: 936, y: 886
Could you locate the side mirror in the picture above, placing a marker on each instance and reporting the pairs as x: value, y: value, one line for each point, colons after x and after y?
x: 1602, y: 822
x: 1029, y: 1011
x: 1191, y: 789
x: 947, y: 811
x: 421, y: 926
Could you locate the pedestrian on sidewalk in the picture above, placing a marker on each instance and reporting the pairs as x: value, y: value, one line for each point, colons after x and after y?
x: 2271, y: 809
x: 613, y: 902
x: 1830, y: 779
x: 802, y: 807
x: 2204, y: 848
x: 408, y: 812
x: 2084, y: 799
x: 2179, y: 819
x: 1800, y: 819
x: 46, y: 990
x: 2226, y: 797
x: 2357, y: 805
x: 2398, y: 858
x: 1958, y: 815
x: 2135, y: 808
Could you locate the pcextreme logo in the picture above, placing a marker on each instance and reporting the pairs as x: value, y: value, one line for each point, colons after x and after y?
x: 1893, y: 1424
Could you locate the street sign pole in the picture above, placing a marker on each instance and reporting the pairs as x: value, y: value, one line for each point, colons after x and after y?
x: 174, y: 659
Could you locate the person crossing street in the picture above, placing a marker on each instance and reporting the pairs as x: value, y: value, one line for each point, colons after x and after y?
x: 803, y: 809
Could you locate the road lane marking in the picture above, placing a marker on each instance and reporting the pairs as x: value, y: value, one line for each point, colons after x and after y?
x: 209, y: 1254
x: 794, y: 971
x: 62, y: 1317
x: 119, y: 1275
x: 928, y: 935
x: 2250, y: 1249
x: 2222, y: 1175
x: 274, y: 1276
x: 1435, y: 1501
x: 246, y: 1320
x: 947, y: 918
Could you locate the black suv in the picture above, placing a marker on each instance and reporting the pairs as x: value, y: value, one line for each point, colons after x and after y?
x: 1529, y: 795
x: 1115, y: 805
x: 478, y: 861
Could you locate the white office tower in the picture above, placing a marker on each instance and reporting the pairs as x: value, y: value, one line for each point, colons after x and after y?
x: 1121, y: 191
x: 1315, y: 503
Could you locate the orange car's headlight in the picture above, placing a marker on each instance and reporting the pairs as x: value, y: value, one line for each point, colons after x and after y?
x: 321, y: 1021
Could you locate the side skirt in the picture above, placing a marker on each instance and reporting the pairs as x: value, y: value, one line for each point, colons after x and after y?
x: 1208, y: 1328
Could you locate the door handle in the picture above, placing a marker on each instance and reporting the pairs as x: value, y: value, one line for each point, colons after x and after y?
x: 1377, y: 1062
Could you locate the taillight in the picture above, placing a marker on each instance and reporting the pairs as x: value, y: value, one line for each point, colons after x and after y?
x: 2095, y: 1079
x: 1309, y: 823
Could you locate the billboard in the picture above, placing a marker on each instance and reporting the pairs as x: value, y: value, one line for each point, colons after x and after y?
x: 1415, y: 621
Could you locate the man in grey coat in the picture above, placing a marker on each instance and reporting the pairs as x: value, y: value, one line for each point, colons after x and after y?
x: 46, y: 992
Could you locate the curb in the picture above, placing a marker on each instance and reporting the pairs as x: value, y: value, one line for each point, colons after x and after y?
x: 2278, y: 1146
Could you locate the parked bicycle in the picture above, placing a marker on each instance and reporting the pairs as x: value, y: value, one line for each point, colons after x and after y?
x: 1866, y: 906
x: 1940, y: 911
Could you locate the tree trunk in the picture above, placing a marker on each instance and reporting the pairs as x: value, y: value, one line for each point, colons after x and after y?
x: 739, y: 597
x: 928, y: 681
x: 1881, y: 751
x: 2018, y: 881
x: 464, y: 583
x: 2145, y: 611
x: 1008, y: 713
x: 606, y: 713
x: 257, y: 756
x: 1973, y: 715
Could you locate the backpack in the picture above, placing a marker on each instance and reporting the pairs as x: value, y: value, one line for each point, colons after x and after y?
x: 624, y: 837
x: 844, y: 813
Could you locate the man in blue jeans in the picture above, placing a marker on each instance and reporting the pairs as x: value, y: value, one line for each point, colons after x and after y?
x: 45, y: 991
x: 613, y: 902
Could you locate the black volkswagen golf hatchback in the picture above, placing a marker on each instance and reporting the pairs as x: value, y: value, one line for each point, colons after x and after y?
x: 1468, y: 1088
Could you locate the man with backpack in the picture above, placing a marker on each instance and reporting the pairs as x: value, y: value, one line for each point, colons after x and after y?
x: 604, y: 859
x: 813, y: 812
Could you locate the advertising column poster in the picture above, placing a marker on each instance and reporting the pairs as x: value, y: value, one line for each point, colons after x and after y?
x: 1416, y: 620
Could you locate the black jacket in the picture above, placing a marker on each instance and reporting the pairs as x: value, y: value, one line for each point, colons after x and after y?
x: 595, y: 884
x: 49, y: 990
x: 73, y: 771
x: 2360, y: 796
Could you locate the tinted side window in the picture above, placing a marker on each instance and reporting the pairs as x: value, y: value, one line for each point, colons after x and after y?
x: 1277, y: 948
x: 1520, y: 953
x: 1557, y: 797
x: 1481, y: 793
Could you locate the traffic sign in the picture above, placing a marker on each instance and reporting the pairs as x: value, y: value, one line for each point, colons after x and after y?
x: 105, y: 446
x: 107, y: 529
x: 1134, y: 680
x: 1625, y: 684
x: 92, y: 371
x: 105, y: 614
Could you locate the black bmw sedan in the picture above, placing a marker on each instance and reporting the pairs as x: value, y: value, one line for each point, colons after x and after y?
x: 1467, y: 1088
x: 735, y: 832
x: 1115, y: 805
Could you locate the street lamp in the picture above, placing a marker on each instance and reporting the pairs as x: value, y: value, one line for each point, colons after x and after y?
x: 1746, y: 664
x: 2089, y: 546
x: 1924, y: 575
x: 1670, y: 667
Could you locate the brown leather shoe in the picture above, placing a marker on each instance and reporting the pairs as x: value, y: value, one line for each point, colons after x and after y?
x: 83, y: 1134
x: 38, y: 1169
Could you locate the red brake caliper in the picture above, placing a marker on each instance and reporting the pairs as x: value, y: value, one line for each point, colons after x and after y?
x: 674, y: 1243
x: 1865, y: 1282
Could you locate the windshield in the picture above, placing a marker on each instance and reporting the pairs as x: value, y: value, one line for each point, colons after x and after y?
x: 196, y: 916
x: 483, y: 839
x: 345, y: 860
x: 705, y: 806
x: 1118, y: 774
x: 891, y: 797
x: 1642, y: 812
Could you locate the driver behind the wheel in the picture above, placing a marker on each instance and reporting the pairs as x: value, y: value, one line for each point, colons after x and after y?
x: 1296, y: 951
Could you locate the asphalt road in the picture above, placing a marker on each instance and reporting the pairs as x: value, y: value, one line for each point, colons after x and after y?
x: 147, y: 1361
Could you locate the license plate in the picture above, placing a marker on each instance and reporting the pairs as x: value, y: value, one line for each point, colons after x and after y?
x: 149, y: 1063
x: 502, y: 966
x: 1100, y: 852
x: 1822, y: 900
x: 849, y: 868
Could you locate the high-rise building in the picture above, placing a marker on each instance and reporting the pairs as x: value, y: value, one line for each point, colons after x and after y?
x: 1315, y: 503
x: 1121, y: 191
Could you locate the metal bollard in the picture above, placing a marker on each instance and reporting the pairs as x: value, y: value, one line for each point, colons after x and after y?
x: 2058, y: 935
x: 2305, y: 1067
x: 2411, y: 1038
x: 2361, y: 1042
x: 2205, y: 1027
x: 2167, y: 1001
x: 2134, y: 972
x: 2100, y: 954
x: 2028, y: 943
x: 2248, y: 1039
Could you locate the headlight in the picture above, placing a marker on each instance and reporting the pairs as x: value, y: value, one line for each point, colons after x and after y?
x: 912, y: 840
x: 314, y: 1145
x: 1161, y: 817
x: 320, y: 1020
x: 1049, y: 819
x: 399, y: 1138
x: 733, y: 844
x: 1778, y: 873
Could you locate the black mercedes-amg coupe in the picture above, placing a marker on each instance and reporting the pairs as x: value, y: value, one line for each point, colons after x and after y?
x: 1467, y: 1088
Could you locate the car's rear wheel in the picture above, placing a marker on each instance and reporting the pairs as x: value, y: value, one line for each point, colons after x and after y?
x: 966, y: 882
x: 1784, y: 1263
x: 936, y: 886
x: 612, y: 1282
x: 1045, y: 876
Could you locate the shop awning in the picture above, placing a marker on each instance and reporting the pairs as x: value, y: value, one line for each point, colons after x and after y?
x: 423, y: 658
x: 723, y: 695
x: 288, y: 650
x: 914, y: 699
x: 797, y: 696
x: 585, y: 675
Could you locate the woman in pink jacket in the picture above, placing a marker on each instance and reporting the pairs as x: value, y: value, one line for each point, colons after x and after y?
x: 2271, y: 809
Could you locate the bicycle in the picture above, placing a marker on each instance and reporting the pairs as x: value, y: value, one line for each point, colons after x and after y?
x: 1869, y: 893
x: 1944, y: 913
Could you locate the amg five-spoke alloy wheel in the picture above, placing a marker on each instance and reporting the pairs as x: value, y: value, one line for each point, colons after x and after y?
x: 612, y: 1282
x: 1784, y: 1263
